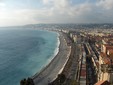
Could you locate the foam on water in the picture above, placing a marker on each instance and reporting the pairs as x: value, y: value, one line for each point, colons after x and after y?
x: 24, y: 53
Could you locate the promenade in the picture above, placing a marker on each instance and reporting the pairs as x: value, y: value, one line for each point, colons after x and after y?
x: 52, y: 70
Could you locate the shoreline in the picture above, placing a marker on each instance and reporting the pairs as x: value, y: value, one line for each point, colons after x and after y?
x: 55, y: 66
x: 55, y: 53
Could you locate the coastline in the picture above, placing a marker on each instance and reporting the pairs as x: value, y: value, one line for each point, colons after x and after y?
x: 56, y: 51
x: 56, y: 65
x: 49, y: 60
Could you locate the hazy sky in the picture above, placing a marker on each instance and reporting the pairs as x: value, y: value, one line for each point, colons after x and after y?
x: 20, y: 12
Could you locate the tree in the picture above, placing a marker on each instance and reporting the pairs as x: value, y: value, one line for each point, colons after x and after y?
x: 29, y: 81
x: 23, y: 82
x: 61, y: 78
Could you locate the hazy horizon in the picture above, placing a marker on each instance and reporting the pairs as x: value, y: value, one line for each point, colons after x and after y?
x: 23, y: 12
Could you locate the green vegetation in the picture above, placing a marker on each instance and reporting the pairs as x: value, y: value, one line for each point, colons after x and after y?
x: 28, y: 81
x: 61, y: 78
x: 74, y: 82
x: 59, y: 81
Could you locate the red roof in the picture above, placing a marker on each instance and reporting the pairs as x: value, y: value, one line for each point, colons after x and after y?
x: 103, y: 54
x: 103, y: 83
x: 105, y: 58
x: 110, y: 51
x: 109, y: 47
x: 83, y: 73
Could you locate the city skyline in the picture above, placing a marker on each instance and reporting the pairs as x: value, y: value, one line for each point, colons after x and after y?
x: 21, y: 12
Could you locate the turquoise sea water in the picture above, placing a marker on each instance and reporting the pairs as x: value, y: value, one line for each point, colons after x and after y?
x: 23, y: 53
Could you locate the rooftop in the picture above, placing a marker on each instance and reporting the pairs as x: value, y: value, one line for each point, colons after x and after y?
x: 105, y: 58
x: 102, y: 83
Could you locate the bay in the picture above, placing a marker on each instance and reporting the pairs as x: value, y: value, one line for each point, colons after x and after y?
x: 24, y: 53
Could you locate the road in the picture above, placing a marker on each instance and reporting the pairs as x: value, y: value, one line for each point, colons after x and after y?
x: 74, y: 62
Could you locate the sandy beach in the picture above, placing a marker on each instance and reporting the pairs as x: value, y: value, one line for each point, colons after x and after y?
x: 50, y: 72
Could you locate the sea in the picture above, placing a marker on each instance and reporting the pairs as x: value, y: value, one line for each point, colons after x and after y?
x: 24, y: 52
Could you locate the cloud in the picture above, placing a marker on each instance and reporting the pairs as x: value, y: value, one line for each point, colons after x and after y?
x: 60, y: 11
x: 47, y: 1
x: 106, y: 4
x: 2, y: 5
x: 23, y: 16
x: 64, y: 7
x: 15, y: 17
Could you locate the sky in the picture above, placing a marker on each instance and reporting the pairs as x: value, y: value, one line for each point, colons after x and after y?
x: 21, y: 12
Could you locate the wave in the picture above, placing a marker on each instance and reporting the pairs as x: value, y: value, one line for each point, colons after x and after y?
x: 56, y: 50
